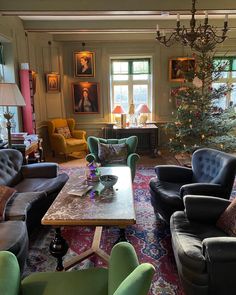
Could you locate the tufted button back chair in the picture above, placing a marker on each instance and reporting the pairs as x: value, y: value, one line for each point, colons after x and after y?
x: 212, y: 174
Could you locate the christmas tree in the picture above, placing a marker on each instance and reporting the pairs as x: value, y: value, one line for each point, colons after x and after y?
x: 198, y: 121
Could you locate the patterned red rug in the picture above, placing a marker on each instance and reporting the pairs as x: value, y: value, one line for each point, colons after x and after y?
x: 150, y: 237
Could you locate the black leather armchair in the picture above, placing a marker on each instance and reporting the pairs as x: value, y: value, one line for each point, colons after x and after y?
x: 205, y: 255
x: 212, y: 174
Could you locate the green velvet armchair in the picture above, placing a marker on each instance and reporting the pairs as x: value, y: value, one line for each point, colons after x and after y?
x: 131, y: 143
x: 123, y: 277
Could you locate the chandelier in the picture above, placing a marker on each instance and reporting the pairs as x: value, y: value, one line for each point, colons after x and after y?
x: 201, y: 38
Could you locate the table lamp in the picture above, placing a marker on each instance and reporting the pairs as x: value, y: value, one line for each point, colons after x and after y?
x: 118, y: 110
x: 143, y: 110
x: 10, y: 96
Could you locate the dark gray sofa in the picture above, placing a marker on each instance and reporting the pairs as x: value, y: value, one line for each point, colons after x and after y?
x: 205, y: 255
x: 37, y: 186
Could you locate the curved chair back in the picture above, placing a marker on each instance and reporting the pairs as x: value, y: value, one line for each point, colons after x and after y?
x: 131, y: 142
x: 10, y: 164
x: 213, y: 166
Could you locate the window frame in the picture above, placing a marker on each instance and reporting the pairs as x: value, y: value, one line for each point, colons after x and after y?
x: 230, y: 79
x: 130, y: 82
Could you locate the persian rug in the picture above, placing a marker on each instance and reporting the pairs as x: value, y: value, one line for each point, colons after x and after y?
x: 150, y: 237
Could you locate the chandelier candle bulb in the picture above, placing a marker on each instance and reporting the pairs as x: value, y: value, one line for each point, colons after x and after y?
x: 157, y: 28
x: 226, y: 18
x: 163, y: 33
x: 178, y: 17
x: 206, y: 14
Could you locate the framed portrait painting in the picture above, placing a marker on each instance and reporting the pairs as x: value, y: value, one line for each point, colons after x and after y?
x: 85, y: 97
x: 84, y: 64
x: 178, y: 67
x: 53, y: 83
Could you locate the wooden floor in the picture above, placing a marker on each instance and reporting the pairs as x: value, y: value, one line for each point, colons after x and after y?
x: 78, y: 160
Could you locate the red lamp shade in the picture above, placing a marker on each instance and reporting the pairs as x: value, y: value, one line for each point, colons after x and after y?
x: 118, y: 110
x: 143, y: 108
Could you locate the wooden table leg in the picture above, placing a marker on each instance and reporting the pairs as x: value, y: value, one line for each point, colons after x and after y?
x: 91, y: 251
x: 122, y: 236
x: 58, y: 248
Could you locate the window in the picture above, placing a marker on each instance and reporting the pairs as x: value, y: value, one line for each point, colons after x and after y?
x: 227, y: 76
x: 13, y: 110
x: 131, y: 82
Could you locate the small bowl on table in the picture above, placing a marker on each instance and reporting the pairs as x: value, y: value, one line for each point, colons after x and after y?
x: 108, y: 180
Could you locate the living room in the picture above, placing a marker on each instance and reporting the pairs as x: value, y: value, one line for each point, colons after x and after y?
x: 50, y: 40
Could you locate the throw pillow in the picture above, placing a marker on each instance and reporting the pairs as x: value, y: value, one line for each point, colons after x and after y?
x: 5, y: 195
x: 227, y: 220
x: 112, y: 153
x: 65, y: 131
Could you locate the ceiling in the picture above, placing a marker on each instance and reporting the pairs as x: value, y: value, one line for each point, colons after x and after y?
x: 105, y: 19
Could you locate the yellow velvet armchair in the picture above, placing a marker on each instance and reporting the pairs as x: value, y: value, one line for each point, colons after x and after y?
x: 59, y: 143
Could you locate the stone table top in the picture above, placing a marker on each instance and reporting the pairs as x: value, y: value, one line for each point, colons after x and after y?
x: 106, y: 207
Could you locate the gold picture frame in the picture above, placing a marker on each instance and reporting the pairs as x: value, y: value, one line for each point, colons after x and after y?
x: 84, y: 64
x: 86, y: 98
x: 179, y: 66
x: 53, y: 82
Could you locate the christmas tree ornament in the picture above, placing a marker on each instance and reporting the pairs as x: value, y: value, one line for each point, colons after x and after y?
x: 197, y: 82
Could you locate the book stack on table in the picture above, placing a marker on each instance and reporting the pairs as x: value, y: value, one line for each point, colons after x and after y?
x: 18, y: 138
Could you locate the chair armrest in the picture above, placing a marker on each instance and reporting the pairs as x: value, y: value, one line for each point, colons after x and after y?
x: 220, y: 256
x: 40, y: 170
x: 9, y: 273
x: 204, y: 208
x: 131, y: 162
x: 207, y: 189
x: 173, y: 173
x: 91, y: 157
x: 132, y: 159
x: 138, y: 282
x: 80, y: 134
x: 220, y: 249
x: 58, y: 138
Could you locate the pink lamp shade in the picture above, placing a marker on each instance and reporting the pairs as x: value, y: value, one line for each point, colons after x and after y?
x: 118, y: 110
x: 143, y: 108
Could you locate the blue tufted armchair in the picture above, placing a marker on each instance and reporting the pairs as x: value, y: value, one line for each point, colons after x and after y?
x: 212, y: 174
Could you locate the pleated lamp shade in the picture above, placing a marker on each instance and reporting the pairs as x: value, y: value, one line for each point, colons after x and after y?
x: 10, y: 95
x: 143, y: 108
x: 118, y: 110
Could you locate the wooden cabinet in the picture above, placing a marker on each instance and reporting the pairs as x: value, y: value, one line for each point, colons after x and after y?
x: 27, y: 90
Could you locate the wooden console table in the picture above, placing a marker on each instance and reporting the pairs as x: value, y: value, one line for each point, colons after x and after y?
x: 31, y: 151
x: 147, y: 136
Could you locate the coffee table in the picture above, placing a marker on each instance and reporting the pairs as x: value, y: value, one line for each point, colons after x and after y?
x: 91, y: 210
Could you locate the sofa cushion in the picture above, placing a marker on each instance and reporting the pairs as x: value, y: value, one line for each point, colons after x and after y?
x: 5, y: 195
x: 227, y: 220
x: 112, y: 153
x: 65, y: 131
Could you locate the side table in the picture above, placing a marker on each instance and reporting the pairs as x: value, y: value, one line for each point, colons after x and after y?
x: 32, y: 151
